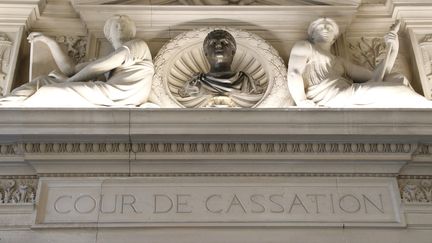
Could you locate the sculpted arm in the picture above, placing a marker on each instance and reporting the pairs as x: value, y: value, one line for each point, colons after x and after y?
x: 297, y: 64
x: 63, y: 61
x: 356, y: 72
x: 100, y: 66
x: 392, y: 41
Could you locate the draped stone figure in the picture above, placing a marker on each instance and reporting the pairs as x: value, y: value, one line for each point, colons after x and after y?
x: 129, y: 71
x: 220, y: 87
x: 316, y: 77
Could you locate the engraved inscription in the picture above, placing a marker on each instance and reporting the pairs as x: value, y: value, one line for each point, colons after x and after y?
x: 139, y: 202
x: 223, y: 204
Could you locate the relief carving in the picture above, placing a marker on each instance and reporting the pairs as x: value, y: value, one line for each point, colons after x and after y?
x: 183, y: 57
x: 245, y: 2
x: 426, y: 50
x: 18, y: 191
x: 218, y: 2
x: 76, y: 46
x: 130, y: 70
x: 5, y: 52
x: 368, y: 52
x: 416, y: 190
x: 217, y: 148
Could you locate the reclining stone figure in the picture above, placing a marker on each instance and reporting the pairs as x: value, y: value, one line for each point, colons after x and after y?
x: 129, y: 70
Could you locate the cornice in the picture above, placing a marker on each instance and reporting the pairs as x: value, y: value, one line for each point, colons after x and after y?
x: 141, y: 125
x: 22, y: 12
x: 150, y: 17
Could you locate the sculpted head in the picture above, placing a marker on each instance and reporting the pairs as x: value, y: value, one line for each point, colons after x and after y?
x: 323, y: 30
x: 219, y: 47
x: 119, y: 28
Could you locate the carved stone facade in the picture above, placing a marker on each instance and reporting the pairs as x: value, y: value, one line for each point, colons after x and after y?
x: 426, y: 49
x: 368, y: 52
x: 18, y: 191
x: 76, y: 46
x: 130, y: 174
x: 416, y: 190
x: 183, y: 57
x: 5, y: 54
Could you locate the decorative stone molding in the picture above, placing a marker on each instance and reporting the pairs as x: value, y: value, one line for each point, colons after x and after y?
x: 270, y: 148
x: 9, y: 150
x: 17, y: 191
x: 424, y: 149
x: 211, y: 148
x: 416, y: 190
x: 217, y: 174
x: 76, y: 46
x: 76, y: 147
x: 230, y: 2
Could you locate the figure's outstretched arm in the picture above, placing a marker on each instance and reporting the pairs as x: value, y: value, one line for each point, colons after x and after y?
x: 296, y: 66
x: 63, y: 61
x: 100, y: 66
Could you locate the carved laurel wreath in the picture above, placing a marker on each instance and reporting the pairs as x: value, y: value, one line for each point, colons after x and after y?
x: 183, y: 57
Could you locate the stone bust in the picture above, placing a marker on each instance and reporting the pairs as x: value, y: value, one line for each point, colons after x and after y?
x: 221, y: 86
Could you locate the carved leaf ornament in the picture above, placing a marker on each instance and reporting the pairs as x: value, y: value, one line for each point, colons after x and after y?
x: 17, y: 191
x: 183, y: 57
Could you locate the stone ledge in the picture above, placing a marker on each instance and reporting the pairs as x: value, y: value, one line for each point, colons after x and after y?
x: 25, y: 124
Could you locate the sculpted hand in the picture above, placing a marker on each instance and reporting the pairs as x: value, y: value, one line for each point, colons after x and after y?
x: 58, y: 75
x: 37, y: 36
x: 391, y: 39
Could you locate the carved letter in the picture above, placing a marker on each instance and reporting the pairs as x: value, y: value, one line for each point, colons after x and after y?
x: 182, y: 203
x: 156, y: 196
x: 101, y: 204
x: 332, y: 204
x: 355, y: 200
x: 366, y: 199
x: 235, y: 202
x: 131, y: 204
x: 57, y: 200
x: 255, y: 202
x: 271, y: 198
x: 82, y: 197
x: 208, y: 200
x: 316, y: 200
x: 297, y: 202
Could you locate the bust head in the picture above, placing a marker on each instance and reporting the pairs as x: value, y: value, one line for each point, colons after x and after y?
x: 119, y: 28
x: 323, y: 30
x: 219, y: 47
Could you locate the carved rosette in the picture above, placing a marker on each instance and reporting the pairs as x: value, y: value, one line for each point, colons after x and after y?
x: 183, y: 57
x: 17, y: 191
x: 416, y: 190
